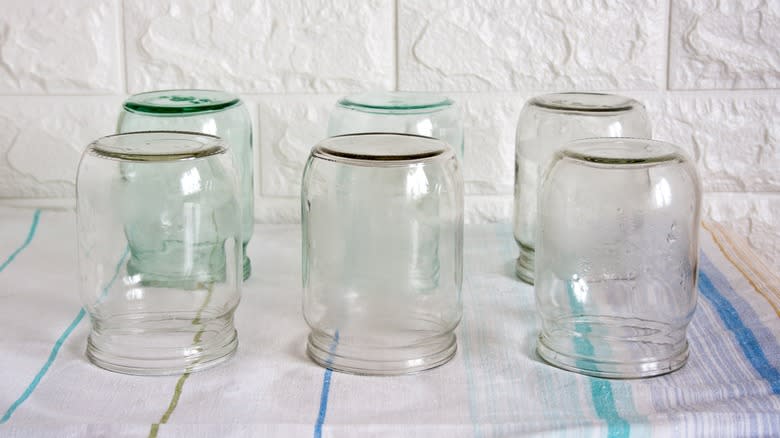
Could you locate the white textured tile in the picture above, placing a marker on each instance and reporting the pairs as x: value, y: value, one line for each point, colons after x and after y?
x: 489, y: 139
x: 259, y: 46
x: 477, y: 45
x: 56, y: 47
x: 288, y: 127
x: 735, y: 138
x: 756, y: 217
x: 41, y: 140
x: 724, y: 44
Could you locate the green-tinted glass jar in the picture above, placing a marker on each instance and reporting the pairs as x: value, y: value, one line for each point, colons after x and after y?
x: 402, y: 112
x: 205, y: 111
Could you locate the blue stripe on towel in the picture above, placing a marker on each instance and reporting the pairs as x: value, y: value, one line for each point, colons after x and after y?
x: 746, y: 339
x: 604, y: 404
x: 37, y: 379
x: 30, y: 235
x: 600, y: 389
x: 57, y: 345
x: 325, y: 393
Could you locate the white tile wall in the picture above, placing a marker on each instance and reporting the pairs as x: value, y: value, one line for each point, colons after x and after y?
x: 708, y: 72
x: 55, y: 47
x: 728, y: 44
x: 259, y: 46
x: 478, y: 45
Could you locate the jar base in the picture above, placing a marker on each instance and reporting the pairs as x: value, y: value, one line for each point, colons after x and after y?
x: 145, y: 345
x: 328, y: 352
x: 524, y: 267
x: 612, y: 369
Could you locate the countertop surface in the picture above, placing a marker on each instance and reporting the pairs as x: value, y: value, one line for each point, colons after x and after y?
x: 495, y: 385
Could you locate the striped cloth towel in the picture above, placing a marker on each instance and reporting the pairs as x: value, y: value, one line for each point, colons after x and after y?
x: 495, y: 386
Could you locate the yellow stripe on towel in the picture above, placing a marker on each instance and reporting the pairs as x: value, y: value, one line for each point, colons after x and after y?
x: 745, y: 260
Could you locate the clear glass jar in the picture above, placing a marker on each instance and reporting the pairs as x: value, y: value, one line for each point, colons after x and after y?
x: 548, y: 122
x: 402, y: 112
x: 159, y: 251
x: 382, y: 252
x: 205, y: 111
x: 617, y: 257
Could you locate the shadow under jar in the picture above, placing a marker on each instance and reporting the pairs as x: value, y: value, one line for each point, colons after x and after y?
x: 205, y: 111
x: 547, y: 123
x: 617, y: 257
x: 159, y: 251
x: 402, y: 112
x: 382, y: 219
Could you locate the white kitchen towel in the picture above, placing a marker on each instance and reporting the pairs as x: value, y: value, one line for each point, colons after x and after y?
x: 495, y: 386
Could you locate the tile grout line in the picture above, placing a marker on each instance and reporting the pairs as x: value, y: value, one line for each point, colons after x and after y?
x: 122, y: 47
x: 667, y: 71
x: 395, y: 44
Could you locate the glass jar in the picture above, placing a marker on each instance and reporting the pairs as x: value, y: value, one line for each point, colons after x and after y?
x: 382, y: 219
x: 205, y: 111
x: 159, y: 251
x: 402, y: 112
x: 548, y: 122
x: 617, y: 257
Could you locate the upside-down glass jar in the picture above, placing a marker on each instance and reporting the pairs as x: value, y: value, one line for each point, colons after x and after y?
x: 548, y: 122
x: 209, y: 112
x: 617, y: 257
x: 403, y: 112
x: 159, y: 244
x: 382, y: 219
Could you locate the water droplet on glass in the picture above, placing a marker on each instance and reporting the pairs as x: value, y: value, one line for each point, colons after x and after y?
x: 671, y: 237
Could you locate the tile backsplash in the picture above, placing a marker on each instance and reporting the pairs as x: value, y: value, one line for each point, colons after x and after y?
x: 708, y: 73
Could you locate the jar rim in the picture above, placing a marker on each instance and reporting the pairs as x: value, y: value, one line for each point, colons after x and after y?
x: 585, y: 102
x: 183, y: 101
x: 157, y: 146
x: 621, y: 151
x: 381, y: 149
x: 396, y: 102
